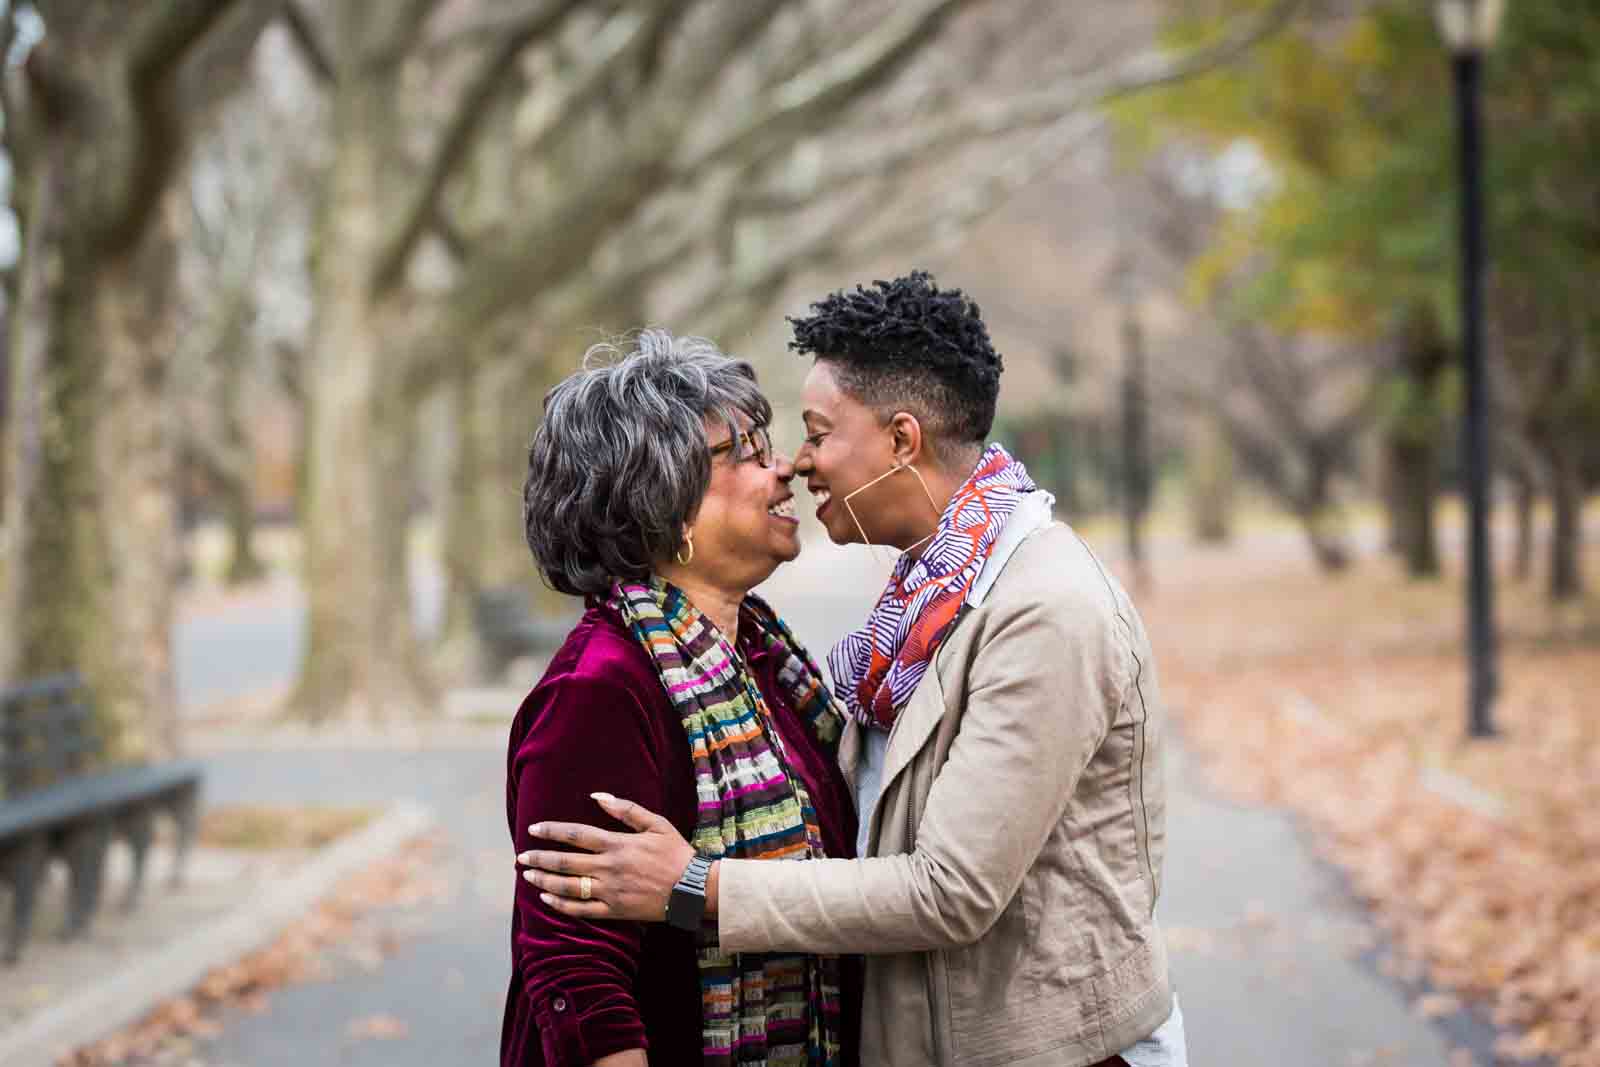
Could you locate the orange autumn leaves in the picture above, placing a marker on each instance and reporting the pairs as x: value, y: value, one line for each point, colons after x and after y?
x: 1345, y: 701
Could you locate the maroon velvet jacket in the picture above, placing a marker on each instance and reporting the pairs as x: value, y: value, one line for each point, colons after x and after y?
x: 600, y: 720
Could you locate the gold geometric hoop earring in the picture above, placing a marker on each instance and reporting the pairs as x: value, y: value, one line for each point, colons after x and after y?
x: 688, y: 539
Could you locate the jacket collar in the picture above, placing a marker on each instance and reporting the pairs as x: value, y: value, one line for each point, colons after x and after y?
x: 1036, y: 511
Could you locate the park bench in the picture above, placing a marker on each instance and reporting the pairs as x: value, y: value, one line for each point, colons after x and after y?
x: 60, y: 804
x: 507, y: 629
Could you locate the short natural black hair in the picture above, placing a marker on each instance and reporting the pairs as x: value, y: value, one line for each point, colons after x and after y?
x: 907, y: 345
x: 620, y: 462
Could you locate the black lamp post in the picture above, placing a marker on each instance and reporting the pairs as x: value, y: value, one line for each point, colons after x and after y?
x: 1469, y: 28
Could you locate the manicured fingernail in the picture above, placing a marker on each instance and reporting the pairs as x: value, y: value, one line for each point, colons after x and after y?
x: 602, y: 796
x: 528, y: 875
x: 522, y: 858
x: 547, y: 898
x: 536, y: 829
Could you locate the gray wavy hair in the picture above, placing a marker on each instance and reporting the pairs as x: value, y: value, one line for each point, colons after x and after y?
x: 619, y: 463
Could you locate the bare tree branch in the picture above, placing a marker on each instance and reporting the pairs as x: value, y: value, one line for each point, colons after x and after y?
x: 304, y: 35
x: 1157, y: 69
x: 749, y: 288
x: 994, y: 118
x: 479, y: 27
x: 671, y: 12
x: 557, y: 236
x: 452, y: 149
x: 219, y: 67
x: 1262, y: 365
x: 624, y: 35
x: 13, y: 134
x: 405, y: 26
x: 455, y: 242
x: 160, y: 42
x: 822, y: 91
x: 165, y: 35
x: 737, y: 32
x: 654, y: 250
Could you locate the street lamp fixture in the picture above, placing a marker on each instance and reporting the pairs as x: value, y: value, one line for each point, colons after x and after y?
x: 1469, y: 27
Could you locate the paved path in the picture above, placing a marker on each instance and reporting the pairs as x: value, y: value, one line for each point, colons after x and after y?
x: 447, y: 981
x: 1265, y: 947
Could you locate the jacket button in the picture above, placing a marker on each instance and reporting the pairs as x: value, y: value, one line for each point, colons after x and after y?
x: 559, y: 1004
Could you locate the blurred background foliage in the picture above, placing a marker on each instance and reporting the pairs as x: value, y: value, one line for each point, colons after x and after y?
x: 294, y: 278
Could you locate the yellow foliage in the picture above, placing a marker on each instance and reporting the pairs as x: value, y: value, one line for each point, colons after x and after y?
x: 1318, y: 104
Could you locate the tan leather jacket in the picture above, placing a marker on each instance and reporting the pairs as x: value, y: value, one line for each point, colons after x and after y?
x: 1010, y: 906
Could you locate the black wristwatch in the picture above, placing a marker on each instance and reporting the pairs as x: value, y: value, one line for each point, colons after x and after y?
x: 687, y: 904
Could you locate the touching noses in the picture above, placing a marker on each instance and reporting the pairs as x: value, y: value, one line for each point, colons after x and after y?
x: 803, y: 462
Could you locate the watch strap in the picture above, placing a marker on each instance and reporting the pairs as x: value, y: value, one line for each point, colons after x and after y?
x: 686, y: 906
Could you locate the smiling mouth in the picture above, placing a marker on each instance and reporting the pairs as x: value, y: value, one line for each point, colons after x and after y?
x: 821, y: 498
x: 784, y: 509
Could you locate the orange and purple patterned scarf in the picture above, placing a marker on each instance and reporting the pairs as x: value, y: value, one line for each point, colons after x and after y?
x: 876, y: 668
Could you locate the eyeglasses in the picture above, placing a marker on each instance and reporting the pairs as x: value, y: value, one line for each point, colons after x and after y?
x: 755, y: 443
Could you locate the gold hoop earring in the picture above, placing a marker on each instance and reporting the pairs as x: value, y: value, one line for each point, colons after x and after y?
x: 688, y: 539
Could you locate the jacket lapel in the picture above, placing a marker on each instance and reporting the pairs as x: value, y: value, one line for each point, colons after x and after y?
x: 914, y: 725
x: 927, y: 708
x: 850, y: 753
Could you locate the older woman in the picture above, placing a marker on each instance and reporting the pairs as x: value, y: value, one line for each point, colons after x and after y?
x: 654, y: 493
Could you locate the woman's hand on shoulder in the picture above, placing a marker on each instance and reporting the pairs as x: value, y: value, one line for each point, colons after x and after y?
x: 614, y: 875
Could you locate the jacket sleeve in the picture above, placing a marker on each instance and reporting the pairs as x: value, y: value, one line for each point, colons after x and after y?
x: 582, y: 735
x: 1044, y: 688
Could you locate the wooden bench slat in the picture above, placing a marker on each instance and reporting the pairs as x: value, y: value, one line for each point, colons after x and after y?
x: 66, y: 802
x: 47, y: 732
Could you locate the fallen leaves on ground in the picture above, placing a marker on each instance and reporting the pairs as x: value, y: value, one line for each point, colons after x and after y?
x: 377, y: 1027
x: 1344, y: 699
x: 407, y: 878
x: 1436, y: 1005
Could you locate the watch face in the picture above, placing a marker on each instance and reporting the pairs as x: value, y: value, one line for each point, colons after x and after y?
x: 685, y: 909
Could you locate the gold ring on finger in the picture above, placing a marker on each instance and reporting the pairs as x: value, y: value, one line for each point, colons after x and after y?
x: 585, y: 887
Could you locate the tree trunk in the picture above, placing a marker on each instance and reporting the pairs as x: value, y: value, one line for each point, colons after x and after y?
x: 1524, y: 497
x: 1211, y: 483
x: 521, y: 407
x: 92, y: 460
x: 461, y: 521
x: 233, y: 472
x: 1566, y: 527
x: 495, y: 414
x: 1326, y: 537
x: 1413, y: 473
x: 1412, y: 440
x: 361, y: 657
x: 1323, y: 525
x: 239, y: 513
x: 5, y: 393
x: 1394, y: 537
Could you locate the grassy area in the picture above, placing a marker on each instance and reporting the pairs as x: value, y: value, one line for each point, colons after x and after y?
x: 1345, y: 699
x: 1256, y: 513
x: 261, y: 827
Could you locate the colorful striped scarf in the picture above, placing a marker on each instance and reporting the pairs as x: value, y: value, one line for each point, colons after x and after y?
x: 773, y: 1009
x: 877, y: 667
